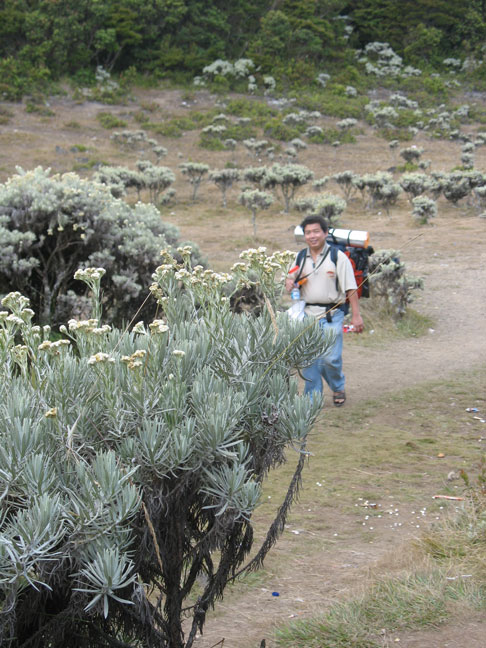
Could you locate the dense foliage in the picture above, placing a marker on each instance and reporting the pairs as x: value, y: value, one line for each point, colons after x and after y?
x: 296, y: 39
x: 52, y: 225
x: 131, y: 463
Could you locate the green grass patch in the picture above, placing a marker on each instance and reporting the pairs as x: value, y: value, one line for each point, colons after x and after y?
x: 330, y: 135
x: 333, y: 105
x: 243, y: 107
x: 43, y: 111
x: 382, y: 328
x: 5, y: 115
x: 79, y: 148
x: 211, y: 143
x: 418, y: 600
x: 89, y: 164
x: 176, y: 126
x: 72, y: 124
x: 108, y: 120
x: 276, y: 129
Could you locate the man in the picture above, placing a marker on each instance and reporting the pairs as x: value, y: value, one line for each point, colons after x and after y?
x: 326, y: 298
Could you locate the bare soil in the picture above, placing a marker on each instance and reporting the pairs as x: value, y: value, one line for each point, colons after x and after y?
x: 327, y: 559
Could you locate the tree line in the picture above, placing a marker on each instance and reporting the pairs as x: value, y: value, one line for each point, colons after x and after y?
x: 167, y: 37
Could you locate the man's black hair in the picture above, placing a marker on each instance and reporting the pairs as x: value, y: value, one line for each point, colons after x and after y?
x: 312, y: 220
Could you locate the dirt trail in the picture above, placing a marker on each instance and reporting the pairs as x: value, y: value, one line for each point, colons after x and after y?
x: 455, y: 297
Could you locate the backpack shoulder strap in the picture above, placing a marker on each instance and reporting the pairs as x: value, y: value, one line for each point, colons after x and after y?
x: 334, y: 253
x: 334, y: 256
x: 300, y: 260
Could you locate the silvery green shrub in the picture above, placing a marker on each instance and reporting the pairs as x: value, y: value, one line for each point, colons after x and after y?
x: 50, y: 225
x: 255, y: 200
x: 456, y: 186
x: 389, y: 281
x: 467, y: 160
x: 224, y: 179
x: 345, y: 180
x: 345, y: 124
x: 313, y: 131
x: 255, y: 147
x: 128, y: 139
x: 384, y: 115
x: 320, y: 183
x: 195, y: 172
x: 479, y: 194
x: 255, y: 175
x: 322, y: 79
x: 328, y: 206
x: 131, y: 462
x: 386, y: 195
x: 290, y: 178
x: 157, y: 179
x: 411, y: 154
x: 414, y: 184
x: 373, y: 183
x: 424, y: 209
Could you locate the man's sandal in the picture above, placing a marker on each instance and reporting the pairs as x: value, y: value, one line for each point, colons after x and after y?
x: 339, y: 398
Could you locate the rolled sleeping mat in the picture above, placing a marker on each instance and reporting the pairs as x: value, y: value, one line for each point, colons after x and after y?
x: 353, y: 238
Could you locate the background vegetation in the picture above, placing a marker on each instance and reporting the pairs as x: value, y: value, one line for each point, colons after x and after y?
x: 41, y: 40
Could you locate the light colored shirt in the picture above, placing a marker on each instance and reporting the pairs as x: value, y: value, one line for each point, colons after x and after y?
x: 320, y: 286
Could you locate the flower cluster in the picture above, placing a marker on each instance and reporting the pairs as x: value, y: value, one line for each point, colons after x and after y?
x: 135, y: 360
x: 100, y: 357
x: 158, y: 326
x: 54, y: 348
x: 261, y: 270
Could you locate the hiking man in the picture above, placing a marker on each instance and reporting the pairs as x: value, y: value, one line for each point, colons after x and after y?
x: 325, y: 288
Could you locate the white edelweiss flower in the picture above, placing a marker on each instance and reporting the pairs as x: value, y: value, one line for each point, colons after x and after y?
x: 60, y: 343
x: 178, y: 353
x: 13, y: 319
x: 106, y: 328
x: 51, y: 413
x: 134, y: 364
x: 139, y: 328
x: 44, y: 346
x: 100, y: 357
x: 158, y: 326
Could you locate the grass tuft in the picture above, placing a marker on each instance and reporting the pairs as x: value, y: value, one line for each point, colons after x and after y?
x: 389, y: 605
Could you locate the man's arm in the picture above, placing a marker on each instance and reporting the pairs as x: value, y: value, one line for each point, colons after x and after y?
x: 289, y: 281
x: 356, y: 319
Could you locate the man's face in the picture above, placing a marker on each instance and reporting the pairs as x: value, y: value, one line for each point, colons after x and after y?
x: 314, y: 236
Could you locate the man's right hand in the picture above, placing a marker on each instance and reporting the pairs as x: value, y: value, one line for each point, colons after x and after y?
x: 289, y: 282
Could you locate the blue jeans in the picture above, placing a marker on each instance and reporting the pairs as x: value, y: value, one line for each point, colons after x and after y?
x: 330, y: 365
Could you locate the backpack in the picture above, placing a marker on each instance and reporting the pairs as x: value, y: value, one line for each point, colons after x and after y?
x: 358, y: 256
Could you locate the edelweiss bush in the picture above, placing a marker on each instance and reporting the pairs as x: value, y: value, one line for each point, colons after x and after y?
x: 424, y: 209
x: 50, y: 225
x: 390, y: 282
x: 131, y: 462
